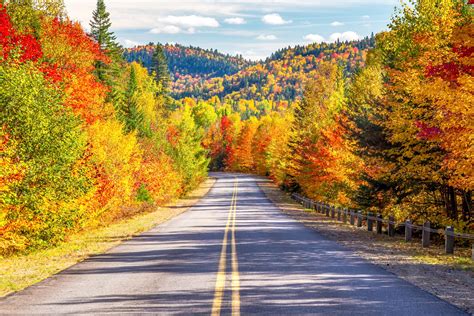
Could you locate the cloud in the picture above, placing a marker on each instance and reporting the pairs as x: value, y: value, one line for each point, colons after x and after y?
x: 263, y: 37
x: 343, y: 37
x: 129, y: 43
x: 274, y: 19
x: 314, y: 38
x: 172, y: 24
x: 190, y: 21
x: 337, y: 23
x: 167, y: 29
x: 236, y: 21
x: 365, y: 17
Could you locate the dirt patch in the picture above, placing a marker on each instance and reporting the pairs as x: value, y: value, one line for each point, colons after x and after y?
x: 450, y: 278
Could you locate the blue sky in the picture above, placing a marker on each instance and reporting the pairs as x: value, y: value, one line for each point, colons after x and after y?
x: 254, y: 29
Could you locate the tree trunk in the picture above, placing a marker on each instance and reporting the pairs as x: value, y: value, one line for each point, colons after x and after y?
x: 466, y: 205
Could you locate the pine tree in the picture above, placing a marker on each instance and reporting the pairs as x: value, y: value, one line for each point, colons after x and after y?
x: 132, y: 115
x: 100, y: 31
x: 160, y: 67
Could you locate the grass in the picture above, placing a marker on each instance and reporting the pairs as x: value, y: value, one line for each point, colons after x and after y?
x: 19, y: 272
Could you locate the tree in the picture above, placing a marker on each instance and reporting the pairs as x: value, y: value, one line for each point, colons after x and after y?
x: 100, y: 31
x: 131, y: 114
x: 160, y: 67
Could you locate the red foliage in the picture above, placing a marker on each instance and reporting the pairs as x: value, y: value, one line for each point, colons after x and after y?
x: 427, y: 132
x: 27, y: 45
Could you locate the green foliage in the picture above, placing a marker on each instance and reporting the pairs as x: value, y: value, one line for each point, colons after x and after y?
x: 184, y: 146
x: 143, y: 195
x: 100, y: 31
x: 160, y: 67
x: 50, y: 143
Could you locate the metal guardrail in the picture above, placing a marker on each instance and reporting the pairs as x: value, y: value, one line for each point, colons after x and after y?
x: 426, y: 230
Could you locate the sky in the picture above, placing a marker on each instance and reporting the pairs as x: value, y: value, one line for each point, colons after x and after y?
x: 254, y: 29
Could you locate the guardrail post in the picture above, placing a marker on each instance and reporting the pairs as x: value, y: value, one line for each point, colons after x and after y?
x: 472, y: 255
x: 339, y: 214
x: 327, y: 209
x: 449, y: 240
x: 344, y: 215
x: 359, y: 219
x: 333, y: 211
x: 391, y: 226
x: 408, y: 230
x: 379, y: 224
x: 425, y: 236
x: 352, y: 217
x: 370, y: 222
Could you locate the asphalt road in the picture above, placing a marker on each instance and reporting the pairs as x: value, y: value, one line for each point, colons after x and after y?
x: 233, y: 252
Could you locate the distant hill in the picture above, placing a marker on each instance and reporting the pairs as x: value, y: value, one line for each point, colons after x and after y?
x: 189, y: 65
x: 202, y: 74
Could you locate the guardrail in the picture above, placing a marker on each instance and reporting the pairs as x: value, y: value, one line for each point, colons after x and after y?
x: 357, y: 218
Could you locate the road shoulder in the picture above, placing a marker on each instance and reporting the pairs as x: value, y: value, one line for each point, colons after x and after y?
x: 393, y: 254
x: 19, y: 272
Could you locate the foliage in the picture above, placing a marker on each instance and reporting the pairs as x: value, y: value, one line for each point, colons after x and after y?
x: 83, y: 137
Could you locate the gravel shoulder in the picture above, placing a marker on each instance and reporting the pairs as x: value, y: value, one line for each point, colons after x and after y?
x: 428, y: 269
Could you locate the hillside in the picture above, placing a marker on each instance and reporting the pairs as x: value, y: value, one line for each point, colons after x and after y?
x: 189, y: 65
x: 202, y: 74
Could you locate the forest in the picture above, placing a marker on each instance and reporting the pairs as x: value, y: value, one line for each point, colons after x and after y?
x: 91, y: 132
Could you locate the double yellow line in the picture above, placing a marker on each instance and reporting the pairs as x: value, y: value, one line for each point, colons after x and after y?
x: 221, y: 274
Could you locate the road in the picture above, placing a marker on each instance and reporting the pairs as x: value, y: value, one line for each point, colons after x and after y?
x: 233, y: 252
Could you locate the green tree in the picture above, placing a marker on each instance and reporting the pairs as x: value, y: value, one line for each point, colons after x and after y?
x: 100, y: 31
x: 184, y: 146
x: 50, y: 143
x: 160, y: 67
x: 131, y: 114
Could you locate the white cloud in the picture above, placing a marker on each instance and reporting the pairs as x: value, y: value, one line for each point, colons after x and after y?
x: 274, y: 19
x: 314, y: 38
x: 167, y: 29
x: 337, y: 23
x: 264, y: 37
x: 129, y: 43
x: 190, y: 21
x: 365, y: 17
x: 346, y: 36
x: 236, y: 21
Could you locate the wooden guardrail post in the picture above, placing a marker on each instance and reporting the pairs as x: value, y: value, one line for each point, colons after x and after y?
x: 425, y: 236
x: 408, y: 230
x: 352, y: 217
x: 370, y: 222
x: 449, y: 240
x: 472, y: 255
x: 333, y: 211
x: 339, y: 214
x: 327, y: 209
x: 344, y: 215
x: 359, y: 219
x: 391, y: 226
x: 379, y: 224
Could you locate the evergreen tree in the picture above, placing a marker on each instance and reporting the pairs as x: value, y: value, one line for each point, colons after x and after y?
x: 131, y: 114
x: 100, y: 31
x: 160, y: 67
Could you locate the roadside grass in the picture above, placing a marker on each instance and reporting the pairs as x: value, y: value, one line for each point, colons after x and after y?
x: 19, y: 272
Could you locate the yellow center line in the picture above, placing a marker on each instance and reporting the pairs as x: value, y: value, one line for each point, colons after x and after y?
x: 221, y: 274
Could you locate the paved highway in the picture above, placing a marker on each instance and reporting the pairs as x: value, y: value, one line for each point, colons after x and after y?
x: 234, y: 253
